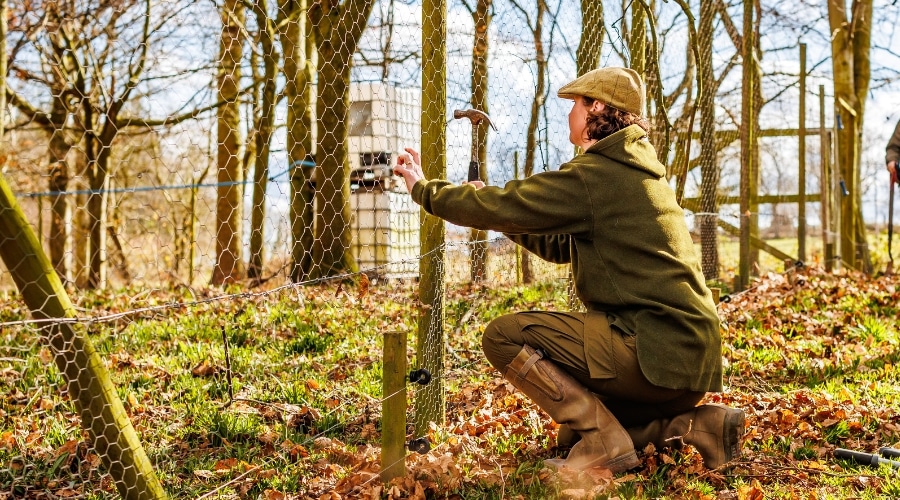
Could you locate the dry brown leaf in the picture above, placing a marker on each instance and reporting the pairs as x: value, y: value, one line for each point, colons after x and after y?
x: 229, y: 464
x: 205, y: 369
x: 363, y: 286
x: 45, y: 356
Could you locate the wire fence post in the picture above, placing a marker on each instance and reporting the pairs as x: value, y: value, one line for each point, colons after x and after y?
x: 393, y: 414
x: 837, y: 193
x: 747, y: 138
x: 430, y: 400
x: 825, y: 184
x: 88, y: 382
x: 801, y: 182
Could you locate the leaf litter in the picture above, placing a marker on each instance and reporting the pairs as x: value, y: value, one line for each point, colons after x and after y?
x: 811, y: 358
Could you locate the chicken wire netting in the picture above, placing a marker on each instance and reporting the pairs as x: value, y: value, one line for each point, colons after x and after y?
x: 204, y: 243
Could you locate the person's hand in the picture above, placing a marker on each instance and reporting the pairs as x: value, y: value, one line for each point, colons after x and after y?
x: 892, y: 168
x: 409, y: 166
x: 477, y: 184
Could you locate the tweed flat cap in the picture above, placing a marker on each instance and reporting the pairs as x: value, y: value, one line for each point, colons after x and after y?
x: 621, y: 88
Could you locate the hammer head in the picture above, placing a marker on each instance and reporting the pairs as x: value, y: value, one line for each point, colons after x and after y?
x: 474, y: 116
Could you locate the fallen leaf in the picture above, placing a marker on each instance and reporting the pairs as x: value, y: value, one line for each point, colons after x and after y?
x: 205, y: 369
x: 363, y: 286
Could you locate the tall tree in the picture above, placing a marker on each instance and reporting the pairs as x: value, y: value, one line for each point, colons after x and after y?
x: 298, y: 45
x: 101, y: 104
x: 55, y: 124
x: 61, y: 66
x: 851, y: 67
x: 229, y: 265
x: 338, y: 26
x: 536, y: 27
x: 90, y: 87
x: 709, y: 168
x: 74, y: 55
x: 265, y: 121
x: 482, y: 14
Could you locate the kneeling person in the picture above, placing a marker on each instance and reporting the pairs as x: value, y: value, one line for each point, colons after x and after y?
x: 632, y: 369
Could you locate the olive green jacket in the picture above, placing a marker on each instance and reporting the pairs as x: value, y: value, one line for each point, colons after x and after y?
x: 892, y: 151
x: 611, y: 213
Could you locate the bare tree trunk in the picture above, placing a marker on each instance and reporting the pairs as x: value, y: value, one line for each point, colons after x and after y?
x: 709, y: 168
x: 482, y: 16
x: 592, y: 33
x: 58, y: 182
x: 297, y: 45
x: 331, y: 253
x: 850, y: 46
x: 637, y: 40
x: 228, y: 267
x: 96, y: 212
x: 747, y: 140
x: 338, y: 28
x: 263, y: 140
x: 537, y: 34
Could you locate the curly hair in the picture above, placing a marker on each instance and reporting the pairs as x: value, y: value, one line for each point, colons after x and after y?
x: 610, y: 121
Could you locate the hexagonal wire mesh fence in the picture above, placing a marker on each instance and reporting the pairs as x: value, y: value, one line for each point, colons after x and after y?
x: 212, y: 185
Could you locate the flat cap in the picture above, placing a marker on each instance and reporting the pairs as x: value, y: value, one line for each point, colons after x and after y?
x: 621, y: 88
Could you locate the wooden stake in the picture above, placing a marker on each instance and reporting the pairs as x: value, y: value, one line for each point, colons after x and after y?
x: 393, y: 414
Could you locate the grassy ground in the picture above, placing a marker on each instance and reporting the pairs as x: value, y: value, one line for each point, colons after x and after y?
x: 812, y: 360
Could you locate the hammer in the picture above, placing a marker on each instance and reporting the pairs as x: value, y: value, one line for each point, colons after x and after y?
x: 890, y: 266
x: 476, y: 117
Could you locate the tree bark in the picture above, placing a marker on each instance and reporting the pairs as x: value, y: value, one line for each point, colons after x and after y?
x: 637, y: 40
x: 709, y: 168
x: 229, y: 266
x: 747, y: 140
x: 592, y: 33
x: 850, y: 46
x: 264, y: 131
x: 540, y: 89
x: 58, y: 182
x: 338, y: 27
x: 482, y: 17
x: 96, y: 213
x: 297, y: 46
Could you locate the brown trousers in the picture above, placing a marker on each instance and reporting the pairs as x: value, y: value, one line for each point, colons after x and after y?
x: 561, y: 336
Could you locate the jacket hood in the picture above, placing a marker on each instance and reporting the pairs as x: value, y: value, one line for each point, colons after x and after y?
x: 630, y: 147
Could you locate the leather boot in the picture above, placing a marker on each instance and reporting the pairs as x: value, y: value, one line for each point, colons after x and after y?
x: 604, y: 442
x: 714, y: 430
x: 566, y: 437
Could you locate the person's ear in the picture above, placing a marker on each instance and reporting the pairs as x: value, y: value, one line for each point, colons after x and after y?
x: 597, y: 107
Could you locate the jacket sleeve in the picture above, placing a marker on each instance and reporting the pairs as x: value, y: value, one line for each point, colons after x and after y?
x: 892, y: 152
x: 551, y: 247
x: 555, y: 202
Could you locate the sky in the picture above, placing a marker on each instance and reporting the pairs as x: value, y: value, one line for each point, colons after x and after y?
x: 512, y: 82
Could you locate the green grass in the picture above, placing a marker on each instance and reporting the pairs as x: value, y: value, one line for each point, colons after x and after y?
x: 816, y: 367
